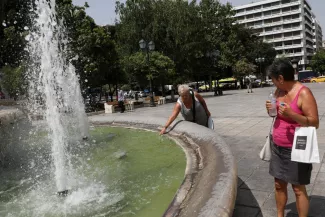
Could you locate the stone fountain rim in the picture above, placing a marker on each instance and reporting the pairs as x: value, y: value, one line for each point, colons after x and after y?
x: 191, y: 137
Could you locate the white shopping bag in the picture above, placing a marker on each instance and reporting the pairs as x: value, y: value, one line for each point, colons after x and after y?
x: 210, y: 123
x: 265, y: 153
x: 305, y: 145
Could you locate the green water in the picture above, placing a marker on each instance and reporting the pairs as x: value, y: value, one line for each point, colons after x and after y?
x: 149, y: 175
x: 101, y: 183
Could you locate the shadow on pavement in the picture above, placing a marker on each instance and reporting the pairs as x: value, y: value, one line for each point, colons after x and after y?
x: 212, y: 96
x: 246, y: 203
x: 316, y: 209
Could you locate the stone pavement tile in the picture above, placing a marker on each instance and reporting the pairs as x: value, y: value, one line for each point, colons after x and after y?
x: 320, y: 179
x: 239, y: 154
x: 317, y: 206
x: 244, y: 211
x: 317, y: 167
x: 318, y: 191
x: 259, y: 183
x: 322, y: 168
x: 251, y: 198
x: 247, y: 166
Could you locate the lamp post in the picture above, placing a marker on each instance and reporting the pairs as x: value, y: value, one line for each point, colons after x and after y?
x: 214, y: 56
x: 295, y: 63
x: 260, y: 60
x: 148, y: 47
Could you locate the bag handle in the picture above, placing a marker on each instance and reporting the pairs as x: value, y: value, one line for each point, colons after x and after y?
x: 271, y: 129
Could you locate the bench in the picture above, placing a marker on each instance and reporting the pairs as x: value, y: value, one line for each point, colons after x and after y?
x: 110, y: 107
x: 159, y: 100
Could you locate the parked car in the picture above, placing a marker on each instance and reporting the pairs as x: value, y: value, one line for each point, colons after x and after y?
x: 318, y: 79
x: 307, y: 80
x: 142, y: 94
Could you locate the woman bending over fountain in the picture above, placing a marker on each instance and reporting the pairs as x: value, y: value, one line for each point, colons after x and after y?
x: 191, y: 105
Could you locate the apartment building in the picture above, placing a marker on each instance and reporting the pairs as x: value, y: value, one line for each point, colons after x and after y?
x: 289, y: 25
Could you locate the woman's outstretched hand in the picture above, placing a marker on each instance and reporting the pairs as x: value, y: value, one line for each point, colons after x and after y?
x: 163, y: 131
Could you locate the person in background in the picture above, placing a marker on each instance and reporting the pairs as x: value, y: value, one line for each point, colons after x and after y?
x: 296, y: 107
x: 185, y: 104
x: 120, y: 97
x: 249, y: 83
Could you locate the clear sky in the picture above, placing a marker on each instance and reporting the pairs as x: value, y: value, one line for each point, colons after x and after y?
x: 103, y: 11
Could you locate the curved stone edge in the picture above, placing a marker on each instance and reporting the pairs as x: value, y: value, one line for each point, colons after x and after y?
x: 208, y: 190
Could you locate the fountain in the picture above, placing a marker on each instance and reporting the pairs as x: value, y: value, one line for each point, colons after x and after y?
x: 54, y: 87
x: 53, y: 170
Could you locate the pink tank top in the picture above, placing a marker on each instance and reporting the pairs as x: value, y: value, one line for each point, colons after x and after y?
x: 284, y: 128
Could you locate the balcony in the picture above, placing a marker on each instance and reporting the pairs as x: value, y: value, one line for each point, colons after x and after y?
x: 292, y: 20
x: 291, y: 54
x: 307, y: 30
x: 283, y: 39
x: 267, y: 9
x: 288, y: 46
x: 309, y: 17
x: 279, y: 31
x: 270, y: 16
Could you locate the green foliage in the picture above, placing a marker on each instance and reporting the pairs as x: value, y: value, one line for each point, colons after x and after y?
x: 309, y: 68
x: 185, y: 31
x: 13, y: 80
x: 159, y: 68
x: 13, y: 18
x: 318, y: 61
x: 243, y: 68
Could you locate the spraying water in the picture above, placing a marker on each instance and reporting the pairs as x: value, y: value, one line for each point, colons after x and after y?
x: 54, y: 90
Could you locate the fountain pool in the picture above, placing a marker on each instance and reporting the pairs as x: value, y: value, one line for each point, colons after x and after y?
x: 117, y: 172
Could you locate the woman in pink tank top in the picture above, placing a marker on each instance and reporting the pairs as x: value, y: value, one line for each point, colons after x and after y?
x: 296, y: 107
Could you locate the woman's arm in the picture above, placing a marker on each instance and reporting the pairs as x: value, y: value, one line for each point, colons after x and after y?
x: 176, y: 110
x: 309, y: 109
x: 202, y: 101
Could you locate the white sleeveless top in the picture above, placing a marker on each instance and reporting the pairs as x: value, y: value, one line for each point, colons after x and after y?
x: 201, y: 117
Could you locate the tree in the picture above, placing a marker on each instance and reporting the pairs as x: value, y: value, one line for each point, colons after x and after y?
x: 160, y: 68
x: 243, y: 68
x: 318, y: 61
x: 14, y: 17
x: 13, y: 80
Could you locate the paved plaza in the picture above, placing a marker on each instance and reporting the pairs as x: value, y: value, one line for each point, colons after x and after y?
x: 241, y: 119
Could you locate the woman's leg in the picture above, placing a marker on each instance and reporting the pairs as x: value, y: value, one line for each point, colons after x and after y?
x: 301, y: 200
x: 281, y: 196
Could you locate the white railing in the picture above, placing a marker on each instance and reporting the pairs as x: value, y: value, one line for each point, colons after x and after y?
x: 267, y: 8
x: 283, y: 39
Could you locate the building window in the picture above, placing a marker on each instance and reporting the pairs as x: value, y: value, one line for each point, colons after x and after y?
x: 296, y: 42
x: 257, y: 15
x: 276, y: 11
x: 258, y: 23
x: 240, y: 11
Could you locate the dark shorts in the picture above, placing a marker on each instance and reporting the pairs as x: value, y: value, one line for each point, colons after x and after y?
x: 281, y: 167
